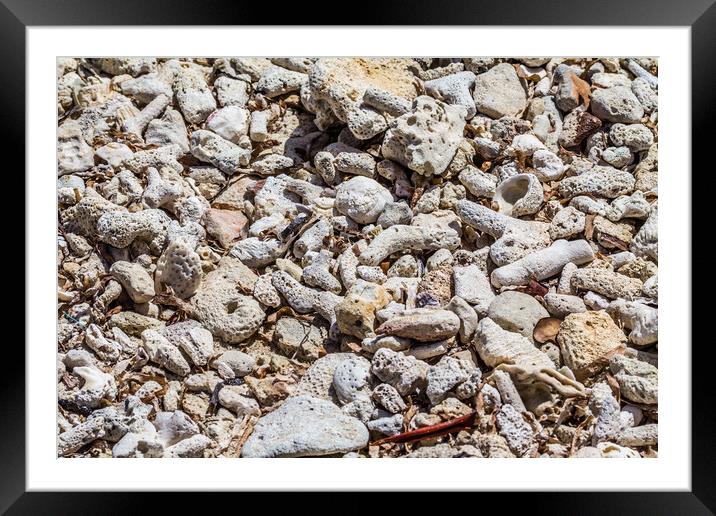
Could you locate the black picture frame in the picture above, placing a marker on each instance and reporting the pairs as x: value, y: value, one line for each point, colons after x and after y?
x: 700, y: 15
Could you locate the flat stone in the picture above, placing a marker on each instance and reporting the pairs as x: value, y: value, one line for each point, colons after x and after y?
x: 517, y: 312
x: 305, y: 427
x: 225, y: 226
x: 498, y: 92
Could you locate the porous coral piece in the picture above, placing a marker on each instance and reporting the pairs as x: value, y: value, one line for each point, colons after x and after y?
x: 605, y: 408
x: 515, y: 238
x: 400, y: 238
x: 222, y: 309
x: 193, y: 96
x: 407, y: 374
x: 454, y: 89
x: 340, y: 83
x: 638, y: 380
x: 599, y: 182
x: 133, y: 66
x: 120, y: 229
x: 223, y: 154
x: 516, y: 431
x: 179, y: 268
x: 588, y: 340
x: 318, y: 273
x: 190, y: 337
x: 641, y: 319
x: 165, y: 156
x: 425, y: 140
x: 447, y: 374
x: 164, y: 353
x: 278, y: 81
x: 73, y: 152
x: 299, y: 297
x: 646, y: 241
x: 355, y: 313
x: 608, y: 283
x: 161, y: 190
x: 616, y: 104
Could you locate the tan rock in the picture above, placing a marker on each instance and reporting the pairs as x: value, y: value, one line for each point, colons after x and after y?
x: 268, y: 390
x: 588, y: 340
x: 437, y: 283
x: 639, y: 268
x: 339, y: 81
x: 612, y: 235
x: 195, y: 405
x: 225, y: 226
x: 235, y: 194
x: 355, y: 314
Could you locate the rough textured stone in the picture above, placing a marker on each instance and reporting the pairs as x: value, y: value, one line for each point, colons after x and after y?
x: 226, y: 313
x: 588, y: 340
x: 362, y: 199
x: 355, y: 314
x: 405, y: 373
x: 616, y: 104
x: 426, y: 139
x: 305, y: 427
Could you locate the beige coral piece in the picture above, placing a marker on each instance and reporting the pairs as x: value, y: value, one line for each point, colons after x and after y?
x: 588, y: 340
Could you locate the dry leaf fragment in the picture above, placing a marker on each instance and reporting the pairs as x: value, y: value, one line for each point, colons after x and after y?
x: 582, y: 87
x: 589, y: 226
x: 535, y: 288
x: 546, y: 330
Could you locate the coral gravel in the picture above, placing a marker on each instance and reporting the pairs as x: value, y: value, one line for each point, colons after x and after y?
x: 357, y: 257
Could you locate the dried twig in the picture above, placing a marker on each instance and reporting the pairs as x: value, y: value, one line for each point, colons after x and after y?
x: 452, y: 426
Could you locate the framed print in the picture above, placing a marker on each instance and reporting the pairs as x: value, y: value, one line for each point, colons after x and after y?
x: 429, y: 235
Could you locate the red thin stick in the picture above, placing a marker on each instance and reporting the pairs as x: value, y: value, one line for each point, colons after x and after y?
x: 454, y: 425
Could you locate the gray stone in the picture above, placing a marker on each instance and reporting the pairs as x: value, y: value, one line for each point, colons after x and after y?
x: 305, y: 427
x: 239, y: 362
x: 295, y: 336
x: 395, y: 213
x: 318, y: 380
x: 388, y: 398
x: 405, y: 373
x: 351, y: 379
x: 498, y: 92
x: 517, y: 312
x: 135, y: 280
x: 516, y: 431
x: 616, y: 104
x: 445, y: 375
x: 389, y: 425
x: 561, y: 305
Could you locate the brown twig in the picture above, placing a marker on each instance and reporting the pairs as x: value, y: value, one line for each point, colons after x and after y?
x: 454, y: 425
